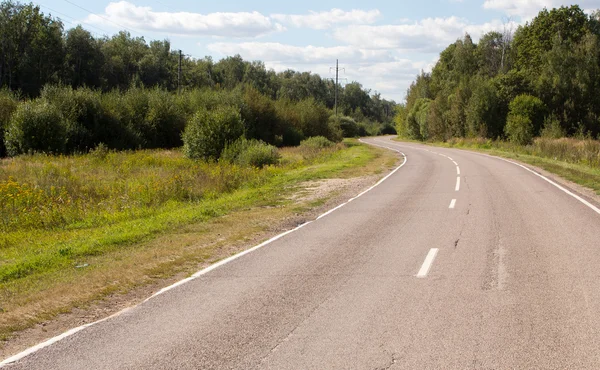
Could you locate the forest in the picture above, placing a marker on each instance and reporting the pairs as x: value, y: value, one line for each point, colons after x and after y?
x: 66, y: 91
x: 543, y: 79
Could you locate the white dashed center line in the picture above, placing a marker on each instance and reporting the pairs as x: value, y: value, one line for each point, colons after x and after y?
x: 427, y: 263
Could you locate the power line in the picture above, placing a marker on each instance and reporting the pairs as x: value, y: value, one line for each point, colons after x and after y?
x: 74, y: 21
x: 106, y: 19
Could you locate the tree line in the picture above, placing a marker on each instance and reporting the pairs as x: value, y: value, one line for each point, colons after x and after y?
x: 36, y: 50
x: 541, y: 80
x: 66, y: 91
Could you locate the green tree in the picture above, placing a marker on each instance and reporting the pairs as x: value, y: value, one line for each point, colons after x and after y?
x: 83, y: 59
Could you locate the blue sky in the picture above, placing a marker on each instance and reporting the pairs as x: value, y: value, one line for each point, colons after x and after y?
x: 381, y: 44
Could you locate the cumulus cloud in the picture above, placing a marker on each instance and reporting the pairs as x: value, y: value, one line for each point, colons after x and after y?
x: 277, y: 52
x: 527, y: 9
x: 242, y: 24
x: 429, y: 35
x: 380, y: 70
x: 328, y: 19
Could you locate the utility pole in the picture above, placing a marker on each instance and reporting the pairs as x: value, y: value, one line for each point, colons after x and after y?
x: 179, y: 73
x: 337, y: 70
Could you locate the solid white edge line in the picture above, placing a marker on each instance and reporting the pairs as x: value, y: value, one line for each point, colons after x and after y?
x: 560, y: 187
x: 452, y: 204
x: 457, y: 184
x: 427, y: 263
x: 70, y: 332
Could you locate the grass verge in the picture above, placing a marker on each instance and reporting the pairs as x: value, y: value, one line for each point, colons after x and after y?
x: 575, y: 160
x: 102, y: 248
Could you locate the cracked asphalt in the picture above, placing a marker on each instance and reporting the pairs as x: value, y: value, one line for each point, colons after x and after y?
x: 514, y: 284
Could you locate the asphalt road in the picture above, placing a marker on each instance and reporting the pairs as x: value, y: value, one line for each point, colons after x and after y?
x: 506, y: 279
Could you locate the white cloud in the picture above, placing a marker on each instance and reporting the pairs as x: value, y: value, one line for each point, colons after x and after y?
x: 243, y: 24
x: 379, y: 70
x: 527, y: 9
x: 429, y: 35
x: 328, y: 19
x: 283, y: 53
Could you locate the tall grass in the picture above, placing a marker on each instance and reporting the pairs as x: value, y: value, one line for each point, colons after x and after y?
x: 47, y: 192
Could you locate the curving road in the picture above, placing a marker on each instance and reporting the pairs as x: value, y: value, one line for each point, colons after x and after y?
x: 456, y: 261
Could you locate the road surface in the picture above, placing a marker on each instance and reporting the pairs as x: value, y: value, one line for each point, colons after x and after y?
x: 456, y: 261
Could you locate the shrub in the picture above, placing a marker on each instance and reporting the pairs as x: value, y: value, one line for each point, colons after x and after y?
x: 317, y: 142
x: 209, y: 132
x: 312, y: 147
x: 87, y: 123
x: 134, y: 106
x: 8, y: 104
x: 363, y: 129
x: 36, y: 126
x: 252, y: 152
x: 519, y: 129
x: 194, y: 100
x: 552, y: 128
x: 289, y: 121
x: 164, y: 121
x: 314, y: 120
x: 388, y: 129
x: 260, y: 116
x: 115, y: 132
x: 348, y: 125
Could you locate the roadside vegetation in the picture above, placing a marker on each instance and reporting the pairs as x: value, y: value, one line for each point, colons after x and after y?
x: 541, y: 80
x: 532, y: 94
x: 76, y: 228
x: 114, y: 175
x: 577, y: 160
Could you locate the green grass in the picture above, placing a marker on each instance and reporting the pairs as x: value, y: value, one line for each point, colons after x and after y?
x: 575, y: 160
x: 76, y: 228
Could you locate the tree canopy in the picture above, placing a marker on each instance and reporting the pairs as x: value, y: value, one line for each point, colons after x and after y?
x: 552, y: 61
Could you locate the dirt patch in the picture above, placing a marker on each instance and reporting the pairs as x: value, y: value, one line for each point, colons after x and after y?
x: 311, y: 191
x: 204, y: 244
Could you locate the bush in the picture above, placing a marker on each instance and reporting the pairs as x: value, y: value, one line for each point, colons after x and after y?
x: 388, y: 129
x: 348, y: 126
x: 314, y: 120
x: 209, y: 132
x: 260, y: 116
x: 164, y: 121
x: 252, y: 152
x: 87, y: 123
x: 552, y: 128
x: 363, y: 130
x: 36, y: 126
x: 519, y: 129
x: 8, y: 104
x: 317, y: 142
x: 192, y: 101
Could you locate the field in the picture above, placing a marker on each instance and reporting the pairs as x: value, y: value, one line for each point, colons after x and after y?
x: 77, y: 228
